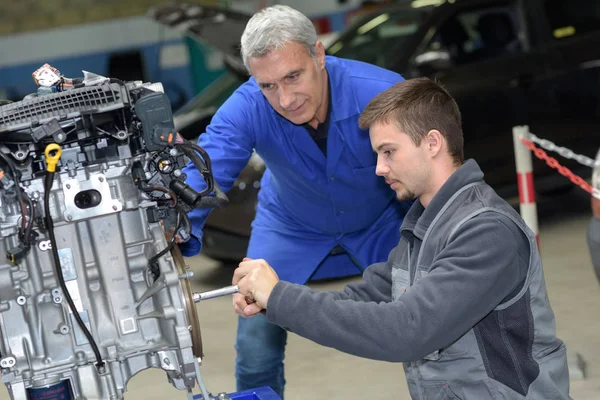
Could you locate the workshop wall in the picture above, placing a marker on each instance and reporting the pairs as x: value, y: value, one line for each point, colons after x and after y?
x: 115, y: 37
x: 33, y: 15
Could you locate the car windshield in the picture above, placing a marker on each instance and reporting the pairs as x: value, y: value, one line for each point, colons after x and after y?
x: 375, y: 39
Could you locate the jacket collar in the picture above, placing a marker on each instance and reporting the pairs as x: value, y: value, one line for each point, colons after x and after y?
x: 344, y: 103
x: 418, y: 218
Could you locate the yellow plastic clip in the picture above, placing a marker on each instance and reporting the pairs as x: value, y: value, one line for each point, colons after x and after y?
x: 52, y: 160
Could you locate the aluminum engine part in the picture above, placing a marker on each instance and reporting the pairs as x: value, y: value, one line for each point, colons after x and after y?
x: 104, y: 259
x: 106, y: 231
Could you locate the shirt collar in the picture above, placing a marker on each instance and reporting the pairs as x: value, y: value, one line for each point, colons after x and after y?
x: 418, y: 218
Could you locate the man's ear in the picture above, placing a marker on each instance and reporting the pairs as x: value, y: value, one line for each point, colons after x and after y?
x: 434, y: 141
x: 320, y: 54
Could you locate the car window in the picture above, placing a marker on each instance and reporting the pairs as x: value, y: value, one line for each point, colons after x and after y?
x: 374, y: 40
x: 215, y: 94
x: 192, y: 119
x: 572, y: 17
x: 477, y: 34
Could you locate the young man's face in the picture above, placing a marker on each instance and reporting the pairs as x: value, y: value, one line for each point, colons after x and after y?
x: 404, y: 165
x: 292, y: 81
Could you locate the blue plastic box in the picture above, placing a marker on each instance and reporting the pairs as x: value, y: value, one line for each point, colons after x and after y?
x: 263, y: 393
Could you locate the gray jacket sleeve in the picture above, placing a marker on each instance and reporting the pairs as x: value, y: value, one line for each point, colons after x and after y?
x: 376, y: 285
x: 473, y: 274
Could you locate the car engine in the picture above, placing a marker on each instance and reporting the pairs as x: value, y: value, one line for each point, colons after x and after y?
x: 93, y: 288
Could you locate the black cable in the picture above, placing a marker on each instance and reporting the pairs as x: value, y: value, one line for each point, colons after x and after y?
x: 50, y: 226
x: 152, y: 261
x: 221, y: 198
x: 171, y: 242
x: 200, y: 164
x: 205, y: 157
x: 28, y: 229
x: 204, y: 166
x: 202, y: 152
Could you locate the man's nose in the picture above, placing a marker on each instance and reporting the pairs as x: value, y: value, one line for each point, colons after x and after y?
x: 286, y: 98
x: 381, y: 169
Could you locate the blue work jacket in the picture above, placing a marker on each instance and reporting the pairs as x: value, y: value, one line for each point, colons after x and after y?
x: 308, y: 203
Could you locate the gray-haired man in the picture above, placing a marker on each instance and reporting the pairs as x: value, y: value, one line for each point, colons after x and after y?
x: 322, y: 212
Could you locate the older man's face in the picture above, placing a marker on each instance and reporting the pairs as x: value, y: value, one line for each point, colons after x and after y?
x: 293, y: 82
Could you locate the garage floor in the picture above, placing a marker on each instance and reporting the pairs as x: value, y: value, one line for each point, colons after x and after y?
x: 314, y: 372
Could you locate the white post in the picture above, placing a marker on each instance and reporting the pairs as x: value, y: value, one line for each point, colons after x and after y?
x: 525, y: 180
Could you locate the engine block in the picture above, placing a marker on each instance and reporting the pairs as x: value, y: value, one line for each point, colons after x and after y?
x: 110, y: 214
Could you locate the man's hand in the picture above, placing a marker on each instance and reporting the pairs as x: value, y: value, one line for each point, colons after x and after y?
x: 255, y: 280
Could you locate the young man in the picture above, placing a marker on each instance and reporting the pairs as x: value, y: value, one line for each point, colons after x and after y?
x: 461, y: 300
x: 322, y: 212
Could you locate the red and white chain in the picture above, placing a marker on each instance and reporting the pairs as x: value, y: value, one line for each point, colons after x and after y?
x: 563, y: 151
x: 552, y: 162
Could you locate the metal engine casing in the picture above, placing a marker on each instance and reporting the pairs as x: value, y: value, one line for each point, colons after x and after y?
x: 138, y: 323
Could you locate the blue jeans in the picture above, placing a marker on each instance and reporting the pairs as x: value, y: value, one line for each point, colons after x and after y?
x: 260, y: 349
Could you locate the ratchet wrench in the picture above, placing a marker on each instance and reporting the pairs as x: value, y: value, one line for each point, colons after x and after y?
x: 211, y: 294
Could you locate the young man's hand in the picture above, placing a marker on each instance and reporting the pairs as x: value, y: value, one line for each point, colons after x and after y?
x: 255, y: 280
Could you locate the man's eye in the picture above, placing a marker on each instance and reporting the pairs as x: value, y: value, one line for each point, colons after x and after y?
x: 267, y: 86
x: 293, y: 77
x: 388, y: 152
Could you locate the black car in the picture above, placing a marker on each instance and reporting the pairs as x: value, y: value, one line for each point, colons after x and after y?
x: 507, y: 63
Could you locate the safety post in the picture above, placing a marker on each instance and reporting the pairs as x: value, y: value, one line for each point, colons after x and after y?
x: 523, y: 161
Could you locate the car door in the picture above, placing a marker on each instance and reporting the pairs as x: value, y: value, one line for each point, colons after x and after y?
x: 490, y: 73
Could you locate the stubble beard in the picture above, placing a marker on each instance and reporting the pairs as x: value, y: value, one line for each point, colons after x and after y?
x: 405, y: 195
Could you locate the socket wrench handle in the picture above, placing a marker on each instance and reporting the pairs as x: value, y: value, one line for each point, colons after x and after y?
x: 211, y: 294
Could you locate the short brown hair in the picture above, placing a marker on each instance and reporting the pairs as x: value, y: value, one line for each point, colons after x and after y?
x: 417, y: 106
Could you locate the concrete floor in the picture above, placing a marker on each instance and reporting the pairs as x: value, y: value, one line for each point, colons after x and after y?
x: 315, y: 372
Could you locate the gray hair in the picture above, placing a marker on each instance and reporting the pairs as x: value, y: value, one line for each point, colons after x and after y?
x: 273, y: 27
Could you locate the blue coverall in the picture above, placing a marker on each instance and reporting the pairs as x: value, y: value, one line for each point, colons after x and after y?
x: 308, y: 204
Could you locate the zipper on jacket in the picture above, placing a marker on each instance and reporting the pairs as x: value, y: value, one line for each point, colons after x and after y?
x: 411, y: 273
